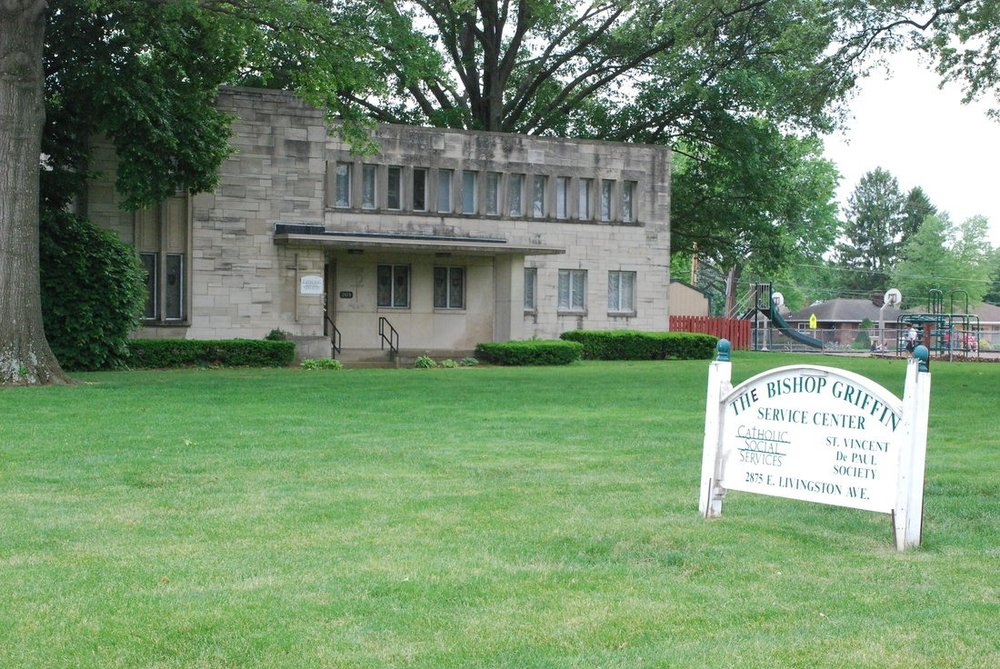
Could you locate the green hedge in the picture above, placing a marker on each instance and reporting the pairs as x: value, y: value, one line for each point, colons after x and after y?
x: 160, y: 353
x: 531, y: 352
x: 635, y: 345
x: 93, y: 291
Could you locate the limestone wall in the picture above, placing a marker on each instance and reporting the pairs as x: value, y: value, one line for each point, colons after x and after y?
x: 242, y: 284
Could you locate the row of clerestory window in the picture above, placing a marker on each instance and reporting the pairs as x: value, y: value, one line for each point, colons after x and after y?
x: 374, y: 187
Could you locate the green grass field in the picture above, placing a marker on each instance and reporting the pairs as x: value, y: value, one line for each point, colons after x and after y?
x: 480, y: 517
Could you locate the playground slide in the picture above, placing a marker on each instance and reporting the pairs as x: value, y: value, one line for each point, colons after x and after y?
x: 791, y: 332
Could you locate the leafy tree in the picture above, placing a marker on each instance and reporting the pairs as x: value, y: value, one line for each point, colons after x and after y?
x: 805, y: 283
x: 928, y: 262
x: 972, y: 246
x: 872, y: 233
x: 963, y: 36
x: 545, y: 66
x: 943, y: 257
x: 992, y: 294
x: 778, y: 188
x: 916, y: 208
x: 145, y: 75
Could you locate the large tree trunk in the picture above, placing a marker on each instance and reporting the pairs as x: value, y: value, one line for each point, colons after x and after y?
x: 25, y: 356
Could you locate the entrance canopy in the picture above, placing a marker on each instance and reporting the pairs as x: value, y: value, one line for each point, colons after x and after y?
x: 318, y: 236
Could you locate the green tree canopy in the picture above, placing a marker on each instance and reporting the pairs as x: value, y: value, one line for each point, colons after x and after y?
x: 944, y: 257
x: 992, y: 294
x: 872, y: 233
x: 916, y: 208
x: 145, y: 75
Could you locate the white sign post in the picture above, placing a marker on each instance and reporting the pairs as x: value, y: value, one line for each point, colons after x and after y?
x: 818, y: 434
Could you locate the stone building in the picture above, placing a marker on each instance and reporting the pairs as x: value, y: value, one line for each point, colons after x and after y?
x: 449, y: 237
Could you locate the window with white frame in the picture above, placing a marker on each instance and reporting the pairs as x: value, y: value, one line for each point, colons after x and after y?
x: 572, y: 290
x: 342, y: 185
x: 607, y: 195
x: 538, y: 196
x: 562, y: 197
x: 469, y: 183
x: 530, y: 288
x: 394, y: 188
x: 368, y: 186
x: 444, y: 190
x: 449, y: 287
x: 492, y: 193
x: 621, y: 292
x: 393, y: 286
x: 419, y: 189
x: 628, y: 202
x: 515, y: 195
x: 583, y: 207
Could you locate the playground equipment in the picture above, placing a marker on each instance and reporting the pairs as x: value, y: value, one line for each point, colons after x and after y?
x: 764, y: 302
x: 891, y: 298
x: 944, y: 333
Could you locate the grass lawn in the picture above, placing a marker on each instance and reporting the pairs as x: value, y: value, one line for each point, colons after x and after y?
x: 481, y: 517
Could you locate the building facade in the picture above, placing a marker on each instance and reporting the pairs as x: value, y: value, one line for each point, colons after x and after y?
x: 449, y: 237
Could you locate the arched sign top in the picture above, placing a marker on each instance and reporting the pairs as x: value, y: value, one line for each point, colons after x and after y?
x: 830, y: 374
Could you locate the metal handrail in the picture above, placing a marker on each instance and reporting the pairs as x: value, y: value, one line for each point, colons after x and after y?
x: 334, y: 335
x: 392, y: 338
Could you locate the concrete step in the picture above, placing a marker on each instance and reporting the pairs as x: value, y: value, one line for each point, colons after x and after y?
x: 377, y: 358
x: 365, y: 357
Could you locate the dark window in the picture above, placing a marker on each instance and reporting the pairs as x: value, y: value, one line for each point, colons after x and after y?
x: 152, y: 283
x: 419, y: 189
x: 449, y: 287
x: 394, y: 188
x: 174, y: 290
x: 394, y: 286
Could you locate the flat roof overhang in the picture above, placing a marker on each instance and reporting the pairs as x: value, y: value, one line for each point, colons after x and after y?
x: 488, y: 246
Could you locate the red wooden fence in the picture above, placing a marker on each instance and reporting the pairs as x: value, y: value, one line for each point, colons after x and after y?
x: 736, y: 331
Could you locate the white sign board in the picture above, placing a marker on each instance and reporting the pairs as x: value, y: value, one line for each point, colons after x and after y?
x: 813, y: 433
x: 818, y: 434
x: 311, y: 284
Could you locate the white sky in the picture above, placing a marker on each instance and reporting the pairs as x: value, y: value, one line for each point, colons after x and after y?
x: 924, y: 136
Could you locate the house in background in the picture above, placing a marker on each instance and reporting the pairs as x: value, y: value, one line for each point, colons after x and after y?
x: 446, y: 238
x: 989, y: 322
x: 839, y: 320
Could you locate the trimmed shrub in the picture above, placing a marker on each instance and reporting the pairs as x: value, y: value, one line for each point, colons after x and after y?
x: 278, y: 335
x: 531, y: 352
x: 163, y: 353
x: 93, y: 292
x: 636, y: 345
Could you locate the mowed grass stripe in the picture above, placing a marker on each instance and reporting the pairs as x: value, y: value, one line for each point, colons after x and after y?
x: 482, y: 517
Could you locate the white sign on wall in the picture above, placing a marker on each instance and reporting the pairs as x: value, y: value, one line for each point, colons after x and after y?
x: 311, y: 284
x: 818, y: 434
